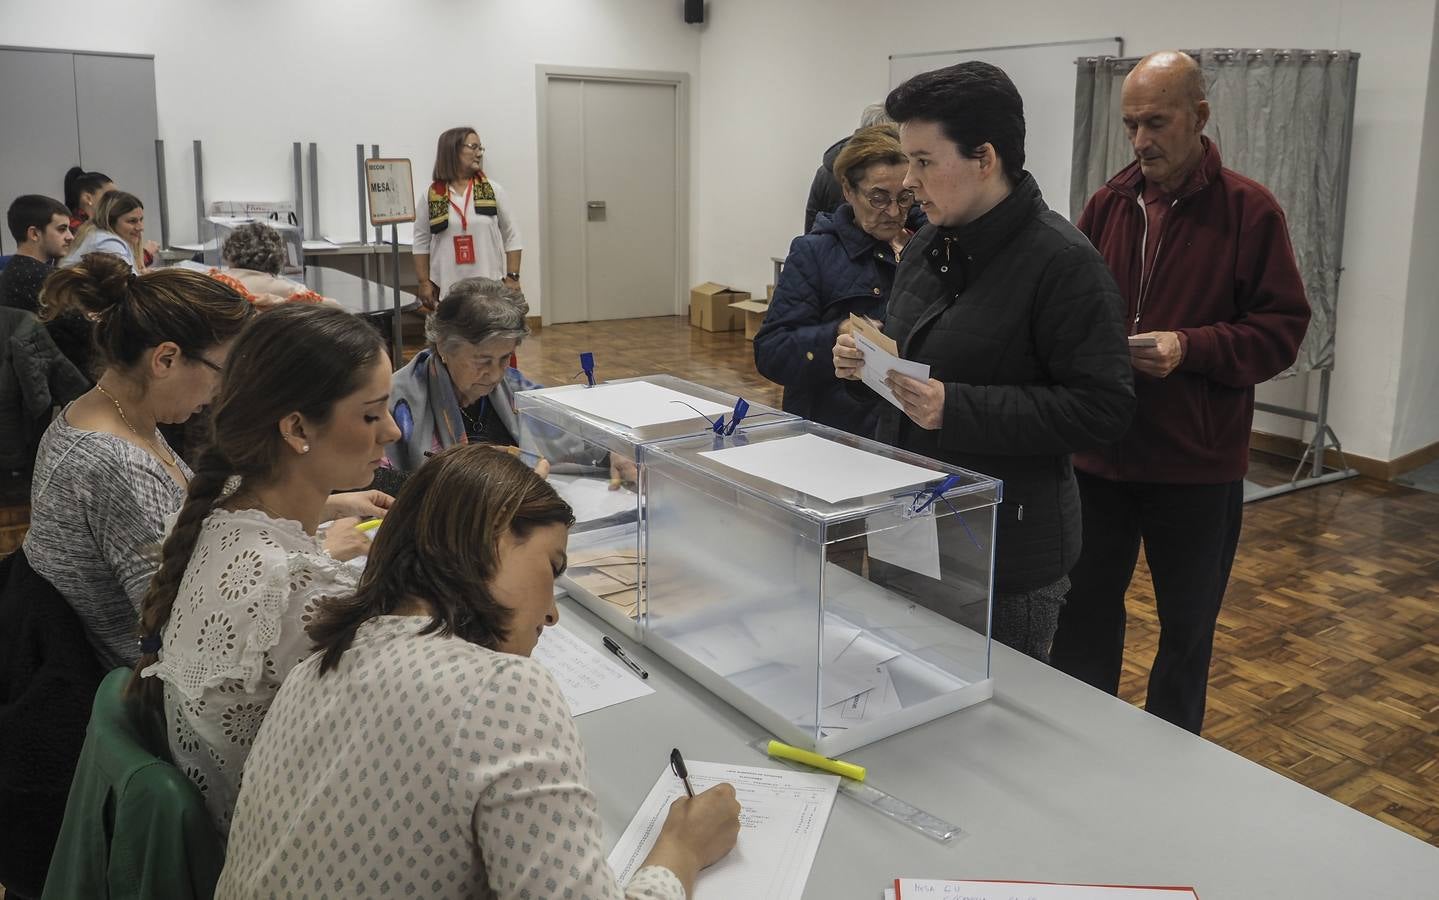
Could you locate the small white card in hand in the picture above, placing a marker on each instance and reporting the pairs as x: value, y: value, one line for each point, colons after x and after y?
x: 1143, y: 340
x: 879, y: 361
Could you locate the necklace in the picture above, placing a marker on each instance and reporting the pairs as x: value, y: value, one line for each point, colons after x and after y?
x: 154, y: 444
x: 264, y: 506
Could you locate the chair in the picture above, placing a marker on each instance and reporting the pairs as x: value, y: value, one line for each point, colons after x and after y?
x: 135, y: 826
x: 48, y: 678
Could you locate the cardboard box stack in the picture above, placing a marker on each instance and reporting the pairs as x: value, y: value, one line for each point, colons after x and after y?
x: 710, y: 307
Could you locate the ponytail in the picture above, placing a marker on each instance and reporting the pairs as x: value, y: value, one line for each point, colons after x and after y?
x: 212, y: 470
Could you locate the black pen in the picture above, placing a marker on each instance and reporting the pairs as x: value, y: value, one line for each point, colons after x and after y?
x: 677, y: 763
x: 619, y: 651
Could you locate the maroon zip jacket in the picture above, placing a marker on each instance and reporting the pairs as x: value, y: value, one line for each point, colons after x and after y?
x: 1225, y: 278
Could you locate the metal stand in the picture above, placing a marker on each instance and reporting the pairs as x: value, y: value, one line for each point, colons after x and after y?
x: 164, y: 194
x: 1324, y: 438
x: 199, y: 197
x: 397, y: 355
x: 314, y: 220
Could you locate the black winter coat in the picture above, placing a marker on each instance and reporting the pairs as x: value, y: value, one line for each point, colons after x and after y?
x: 1021, y: 320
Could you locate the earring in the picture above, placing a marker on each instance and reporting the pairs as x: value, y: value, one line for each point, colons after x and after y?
x: 304, y: 448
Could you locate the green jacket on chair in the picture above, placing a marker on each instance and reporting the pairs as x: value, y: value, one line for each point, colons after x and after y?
x: 135, y: 826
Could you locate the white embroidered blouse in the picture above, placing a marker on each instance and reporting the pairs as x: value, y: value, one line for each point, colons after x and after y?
x: 423, y: 766
x: 236, y: 630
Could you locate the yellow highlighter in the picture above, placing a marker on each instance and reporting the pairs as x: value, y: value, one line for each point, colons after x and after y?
x: 369, y: 526
x: 785, y: 751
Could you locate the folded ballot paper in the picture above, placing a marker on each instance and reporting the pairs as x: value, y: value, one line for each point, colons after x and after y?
x: 881, y: 356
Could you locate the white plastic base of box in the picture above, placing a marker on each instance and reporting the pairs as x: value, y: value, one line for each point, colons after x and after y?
x: 831, y: 744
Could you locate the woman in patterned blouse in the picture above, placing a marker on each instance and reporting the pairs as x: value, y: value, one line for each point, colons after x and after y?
x: 422, y: 752
x: 301, y: 414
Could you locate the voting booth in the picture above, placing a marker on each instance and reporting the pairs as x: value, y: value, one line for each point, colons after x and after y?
x: 834, y: 589
x: 594, y: 438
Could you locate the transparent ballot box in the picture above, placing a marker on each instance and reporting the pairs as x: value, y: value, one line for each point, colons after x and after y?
x: 835, y: 590
x: 594, y: 439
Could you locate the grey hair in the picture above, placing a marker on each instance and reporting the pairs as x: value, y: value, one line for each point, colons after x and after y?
x: 873, y: 115
x: 476, y: 310
x: 257, y: 246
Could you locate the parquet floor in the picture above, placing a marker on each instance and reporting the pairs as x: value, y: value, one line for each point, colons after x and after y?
x: 1326, y: 663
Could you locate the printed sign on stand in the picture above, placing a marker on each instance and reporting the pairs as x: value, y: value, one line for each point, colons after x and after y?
x: 391, y: 189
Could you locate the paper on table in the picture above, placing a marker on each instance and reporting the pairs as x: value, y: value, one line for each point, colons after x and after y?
x: 822, y: 468
x: 782, y: 820
x: 913, y: 545
x: 882, y: 357
x: 591, y: 498
x: 636, y: 404
x: 919, y: 888
x: 589, y: 679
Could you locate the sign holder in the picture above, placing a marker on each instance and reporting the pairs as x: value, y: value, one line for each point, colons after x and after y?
x: 390, y: 186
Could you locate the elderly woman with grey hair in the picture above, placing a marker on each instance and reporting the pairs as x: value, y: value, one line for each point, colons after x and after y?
x: 254, y: 254
x: 461, y: 389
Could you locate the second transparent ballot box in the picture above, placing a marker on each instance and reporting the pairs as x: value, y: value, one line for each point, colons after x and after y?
x: 834, y: 589
x: 594, y: 438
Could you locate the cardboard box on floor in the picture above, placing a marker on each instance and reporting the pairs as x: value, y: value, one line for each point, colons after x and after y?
x: 754, y: 312
x: 710, y: 307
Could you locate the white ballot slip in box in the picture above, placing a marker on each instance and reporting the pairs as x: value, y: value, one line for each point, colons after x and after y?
x: 588, y: 678
x: 881, y: 356
x: 822, y: 468
x: 638, y: 404
x: 782, y: 818
x: 922, y: 888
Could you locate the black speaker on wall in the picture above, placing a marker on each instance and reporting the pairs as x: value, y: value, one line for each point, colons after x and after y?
x: 694, y: 12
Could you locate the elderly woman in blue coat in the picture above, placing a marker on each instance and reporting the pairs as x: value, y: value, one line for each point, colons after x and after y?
x: 461, y: 388
x: 845, y: 265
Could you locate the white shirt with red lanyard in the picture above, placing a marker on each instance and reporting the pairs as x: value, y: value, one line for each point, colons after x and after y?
x: 473, y: 245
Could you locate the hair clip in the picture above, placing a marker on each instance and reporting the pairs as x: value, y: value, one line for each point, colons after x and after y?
x: 150, y: 643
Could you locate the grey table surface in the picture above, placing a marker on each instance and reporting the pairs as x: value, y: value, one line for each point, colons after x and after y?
x: 358, y: 295
x: 1051, y: 781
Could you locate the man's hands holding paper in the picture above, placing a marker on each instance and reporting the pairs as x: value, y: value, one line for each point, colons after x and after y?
x: 922, y: 401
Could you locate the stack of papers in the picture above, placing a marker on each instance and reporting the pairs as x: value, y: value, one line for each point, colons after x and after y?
x: 637, y: 404
x: 881, y: 356
x: 823, y: 468
x: 592, y: 499
x: 920, y: 888
x: 782, y: 820
x: 610, y: 573
x: 589, y: 678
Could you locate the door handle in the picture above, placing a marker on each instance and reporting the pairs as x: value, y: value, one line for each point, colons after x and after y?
x: 596, y: 210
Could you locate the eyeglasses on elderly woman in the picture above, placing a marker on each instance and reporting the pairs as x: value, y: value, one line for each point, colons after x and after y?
x: 881, y: 199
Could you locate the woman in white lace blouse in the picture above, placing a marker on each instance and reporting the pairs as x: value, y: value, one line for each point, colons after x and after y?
x: 301, y: 413
x: 422, y: 752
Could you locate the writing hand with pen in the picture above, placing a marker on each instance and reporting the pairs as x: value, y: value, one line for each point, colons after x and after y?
x: 699, y: 830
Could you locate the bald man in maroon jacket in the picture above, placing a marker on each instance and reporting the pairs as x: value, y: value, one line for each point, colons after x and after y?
x: 1215, y: 306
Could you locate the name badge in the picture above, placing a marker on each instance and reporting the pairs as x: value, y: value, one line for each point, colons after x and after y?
x: 464, y: 249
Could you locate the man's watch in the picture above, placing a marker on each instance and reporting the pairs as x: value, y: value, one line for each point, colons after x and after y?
x: 513, y: 276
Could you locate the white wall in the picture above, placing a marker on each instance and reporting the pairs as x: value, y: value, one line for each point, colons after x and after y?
x: 251, y: 78
x: 1416, y: 419
x: 780, y: 82
x: 773, y: 85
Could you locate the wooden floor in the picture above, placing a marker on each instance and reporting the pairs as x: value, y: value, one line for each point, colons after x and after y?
x: 1326, y: 662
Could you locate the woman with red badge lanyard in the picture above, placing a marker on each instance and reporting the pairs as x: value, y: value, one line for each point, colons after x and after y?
x: 470, y: 233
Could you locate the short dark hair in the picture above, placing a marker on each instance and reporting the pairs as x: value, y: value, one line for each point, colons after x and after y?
x: 33, y: 211
x: 974, y: 102
x: 441, y: 544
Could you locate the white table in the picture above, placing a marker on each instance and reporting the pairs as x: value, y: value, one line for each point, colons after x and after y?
x: 1051, y: 781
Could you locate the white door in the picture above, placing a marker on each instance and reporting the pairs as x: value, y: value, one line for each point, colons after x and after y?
x: 612, y: 217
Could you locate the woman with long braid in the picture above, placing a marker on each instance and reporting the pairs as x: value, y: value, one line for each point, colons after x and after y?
x: 301, y: 413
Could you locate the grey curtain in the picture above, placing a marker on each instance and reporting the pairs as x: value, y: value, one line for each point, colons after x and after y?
x: 1282, y: 117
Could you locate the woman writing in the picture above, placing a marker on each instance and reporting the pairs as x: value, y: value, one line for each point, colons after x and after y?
x: 424, y: 677
x: 301, y: 413
x: 468, y: 231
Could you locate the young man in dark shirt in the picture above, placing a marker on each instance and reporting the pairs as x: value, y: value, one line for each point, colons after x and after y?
x: 41, y: 228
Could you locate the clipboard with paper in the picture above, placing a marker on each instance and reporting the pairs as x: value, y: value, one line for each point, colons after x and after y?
x: 881, y: 356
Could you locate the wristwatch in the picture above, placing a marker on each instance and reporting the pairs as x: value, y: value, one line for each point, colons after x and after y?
x: 513, y: 276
